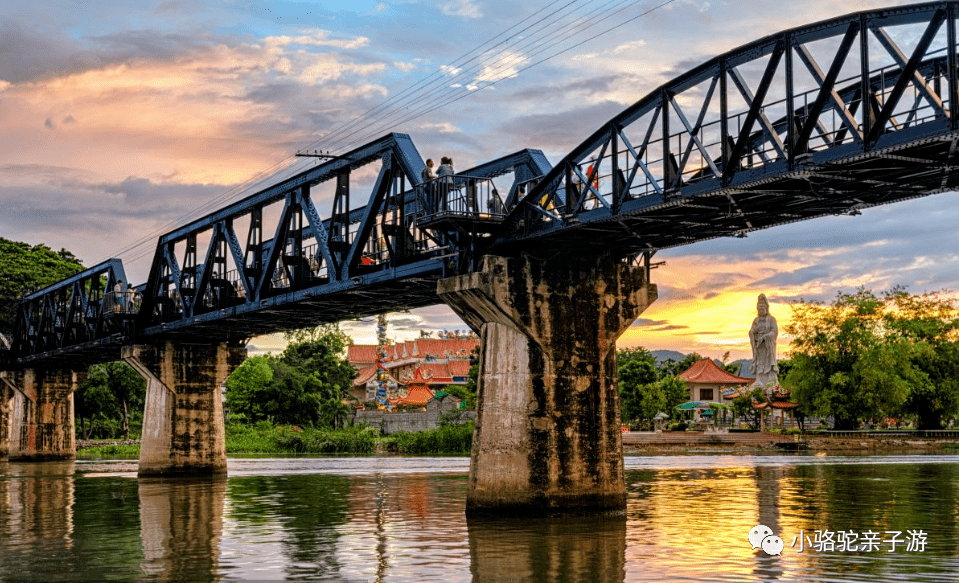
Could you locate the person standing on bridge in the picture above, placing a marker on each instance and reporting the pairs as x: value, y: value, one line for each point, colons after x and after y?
x: 427, y: 173
x: 118, y: 296
x: 445, y: 173
x: 429, y: 187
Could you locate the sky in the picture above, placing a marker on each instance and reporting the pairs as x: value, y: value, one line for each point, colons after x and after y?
x: 121, y: 120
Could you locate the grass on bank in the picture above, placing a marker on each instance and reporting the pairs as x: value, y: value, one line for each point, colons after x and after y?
x: 109, y: 452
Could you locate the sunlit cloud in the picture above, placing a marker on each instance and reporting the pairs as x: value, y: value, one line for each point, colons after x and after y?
x: 461, y: 8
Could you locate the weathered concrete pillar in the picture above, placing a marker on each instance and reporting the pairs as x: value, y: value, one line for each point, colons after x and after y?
x: 7, y: 389
x: 547, y: 437
x: 41, y: 418
x: 183, y: 430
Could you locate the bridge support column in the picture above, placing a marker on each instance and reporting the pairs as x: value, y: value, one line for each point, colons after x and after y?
x: 183, y: 431
x: 41, y: 426
x: 7, y: 390
x: 547, y: 437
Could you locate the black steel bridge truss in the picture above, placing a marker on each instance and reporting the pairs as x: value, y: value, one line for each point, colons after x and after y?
x: 828, y: 118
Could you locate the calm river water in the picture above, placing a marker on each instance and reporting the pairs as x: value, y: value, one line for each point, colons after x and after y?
x: 402, y: 519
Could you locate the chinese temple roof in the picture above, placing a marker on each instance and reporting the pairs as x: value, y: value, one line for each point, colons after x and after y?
x: 705, y: 371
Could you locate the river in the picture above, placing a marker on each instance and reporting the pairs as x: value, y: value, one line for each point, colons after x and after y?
x: 394, y: 519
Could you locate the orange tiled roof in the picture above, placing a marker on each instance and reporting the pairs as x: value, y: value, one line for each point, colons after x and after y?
x: 417, y: 395
x: 775, y: 405
x: 439, y: 347
x: 459, y: 368
x: 367, y: 374
x: 705, y: 371
x: 357, y: 353
x: 419, y: 348
x: 364, y: 375
x: 435, y: 371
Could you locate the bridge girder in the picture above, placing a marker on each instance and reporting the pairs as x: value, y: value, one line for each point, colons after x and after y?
x: 828, y: 118
x: 752, y: 128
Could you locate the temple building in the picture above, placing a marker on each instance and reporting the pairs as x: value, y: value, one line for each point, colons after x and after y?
x: 414, y: 367
x: 708, y: 382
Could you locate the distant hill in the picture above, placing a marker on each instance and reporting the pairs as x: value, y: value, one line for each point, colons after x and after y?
x: 664, y: 355
x: 745, y: 369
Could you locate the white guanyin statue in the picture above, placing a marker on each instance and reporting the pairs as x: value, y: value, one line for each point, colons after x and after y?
x: 762, y: 338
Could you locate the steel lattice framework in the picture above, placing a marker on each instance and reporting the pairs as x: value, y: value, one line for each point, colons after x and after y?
x: 823, y: 119
x: 828, y: 118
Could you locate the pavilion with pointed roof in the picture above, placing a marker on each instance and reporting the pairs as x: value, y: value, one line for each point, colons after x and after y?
x: 708, y: 382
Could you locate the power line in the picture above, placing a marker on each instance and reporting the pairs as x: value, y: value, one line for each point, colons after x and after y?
x: 432, y: 105
x: 539, y: 30
x: 268, y: 173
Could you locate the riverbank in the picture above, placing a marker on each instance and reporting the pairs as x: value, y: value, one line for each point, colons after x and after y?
x: 681, y: 442
x: 265, y: 438
x: 457, y: 441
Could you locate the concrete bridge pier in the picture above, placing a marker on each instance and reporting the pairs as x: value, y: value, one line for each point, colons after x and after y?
x: 183, y: 431
x: 39, y: 423
x: 547, y: 438
x: 6, y: 408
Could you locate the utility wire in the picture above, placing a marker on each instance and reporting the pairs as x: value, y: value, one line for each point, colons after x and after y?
x: 503, y: 65
x: 359, y: 136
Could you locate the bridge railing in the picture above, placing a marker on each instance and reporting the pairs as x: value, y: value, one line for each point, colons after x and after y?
x: 123, y: 303
x: 807, y: 96
x: 459, y: 196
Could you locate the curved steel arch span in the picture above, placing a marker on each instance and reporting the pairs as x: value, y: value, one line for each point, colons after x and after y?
x: 827, y: 118
x: 823, y: 119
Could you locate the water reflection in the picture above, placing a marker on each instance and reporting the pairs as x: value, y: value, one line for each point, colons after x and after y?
x: 181, y: 523
x: 36, y: 500
x: 403, y: 520
x: 554, y: 550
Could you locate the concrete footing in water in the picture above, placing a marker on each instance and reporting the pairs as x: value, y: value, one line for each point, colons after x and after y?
x: 183, y: 432
x: 547, y: 437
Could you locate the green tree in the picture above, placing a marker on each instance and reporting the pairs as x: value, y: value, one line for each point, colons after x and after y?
x: 463, y: 394
x: 246, y: 388
x: 930, y: 324
x: 676, y: 392
x: 25, y: 269
x: 869, y: 357
x: 639, y: 397
x: 110, y: 396
x: 672, y: 368
x: 743, y: 406
x: 472, y: 377
x: 304, y: 385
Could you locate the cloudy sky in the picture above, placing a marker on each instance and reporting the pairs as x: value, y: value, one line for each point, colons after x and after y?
x: 119, y: 120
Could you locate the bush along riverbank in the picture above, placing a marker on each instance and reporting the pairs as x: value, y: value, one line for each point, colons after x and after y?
x: 266, y: 438
x: 445, y: 440
x: 98, y: 450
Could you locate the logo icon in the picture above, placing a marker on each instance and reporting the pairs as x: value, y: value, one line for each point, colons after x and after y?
x: 773, y: 545
x: 762, y: 537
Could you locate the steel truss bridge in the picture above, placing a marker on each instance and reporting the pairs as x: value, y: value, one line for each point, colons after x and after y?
x: 823, y: 119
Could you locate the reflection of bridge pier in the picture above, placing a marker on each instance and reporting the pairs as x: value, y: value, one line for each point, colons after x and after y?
x: 579, y: 549
x: 768, y: 490
x: 547, y: 434
x: 41, y: 424
x: 37, y: 504
x: 181, y: 524
x: 183, y: 429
